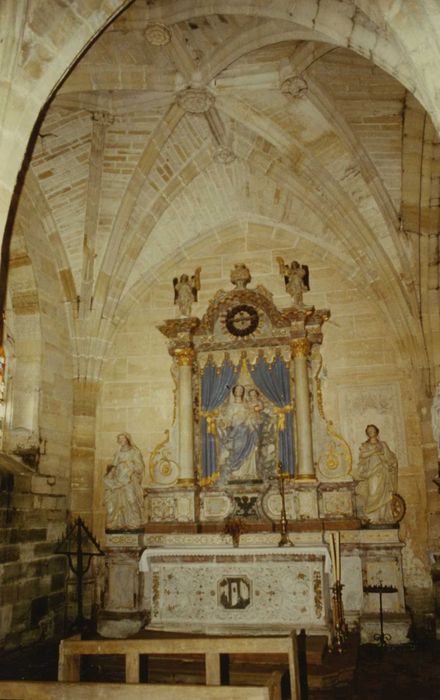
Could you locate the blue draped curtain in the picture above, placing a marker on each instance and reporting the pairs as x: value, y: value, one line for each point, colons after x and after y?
x: 274, y: 382
x: 216, y: 385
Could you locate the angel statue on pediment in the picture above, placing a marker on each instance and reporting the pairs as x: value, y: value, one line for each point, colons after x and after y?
x: 296, y: 279
x: 185, y: 291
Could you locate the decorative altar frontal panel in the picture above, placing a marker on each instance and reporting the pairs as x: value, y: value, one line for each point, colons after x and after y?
x: 229, y: 591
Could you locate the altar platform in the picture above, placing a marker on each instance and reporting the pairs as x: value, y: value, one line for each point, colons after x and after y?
x: 200, y: 582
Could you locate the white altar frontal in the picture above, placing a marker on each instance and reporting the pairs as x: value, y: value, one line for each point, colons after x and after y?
x: 250, y: 463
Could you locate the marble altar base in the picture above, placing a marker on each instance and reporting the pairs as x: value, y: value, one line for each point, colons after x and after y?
x: 227, y: 590
x: 199, y: 582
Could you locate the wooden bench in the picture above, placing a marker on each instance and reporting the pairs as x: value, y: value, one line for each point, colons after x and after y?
x: 37, y: 690
x: 211, y: 648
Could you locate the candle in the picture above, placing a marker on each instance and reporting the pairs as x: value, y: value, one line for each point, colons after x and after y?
x: 333, y: 557
x: 338, y: 556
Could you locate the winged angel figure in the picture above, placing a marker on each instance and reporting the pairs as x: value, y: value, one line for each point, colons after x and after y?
x: 296, y: 279
x: 185, y: 291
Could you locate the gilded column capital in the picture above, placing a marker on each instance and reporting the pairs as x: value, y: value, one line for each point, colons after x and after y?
x: 300, y: 347
x: 184, y: 356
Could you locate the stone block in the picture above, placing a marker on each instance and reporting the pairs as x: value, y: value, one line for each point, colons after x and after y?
x: 6, y: 534
x: 22, y: 501
x: 57, y: 564
x: 9, y: 553
x: 9, y: 594
x: 56, y: 600
x: 120, y: 626
x: 39, y: 608
x: 30, y: 588
x: 57, y: 583
x: 29, y: 535
x: 37, y: 568
x: 397, y: 626
x: 5, y: 620
x: 21, y: 615
x: 43, y: 549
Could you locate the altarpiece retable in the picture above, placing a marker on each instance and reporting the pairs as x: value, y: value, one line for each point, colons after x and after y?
x: 248, y: 406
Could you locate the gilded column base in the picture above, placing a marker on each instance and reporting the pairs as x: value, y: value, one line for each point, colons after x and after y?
x: 305, y: 479
x: 185, y: 483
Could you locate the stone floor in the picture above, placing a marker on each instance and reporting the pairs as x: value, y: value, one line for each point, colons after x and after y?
x: 401, y: 673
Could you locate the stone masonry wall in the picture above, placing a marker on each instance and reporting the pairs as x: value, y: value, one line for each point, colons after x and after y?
x: 32, y: 590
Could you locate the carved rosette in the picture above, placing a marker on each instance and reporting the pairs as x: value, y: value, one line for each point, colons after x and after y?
x: 294, y: 87
x: 224, y: 155
x: 157, y: 34
x: 195, y: 100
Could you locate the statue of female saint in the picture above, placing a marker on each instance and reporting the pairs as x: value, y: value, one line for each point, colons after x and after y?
x: 377, y: 473
x: 239, y: 433
x: 123, y: 496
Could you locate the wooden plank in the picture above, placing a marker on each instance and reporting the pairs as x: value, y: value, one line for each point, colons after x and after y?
x: 274, y: 685
x: 295, y: 688
x: 36, y: 690
x: 183, y: 645
x: 68, y: 664
x: 132, y: 667
x: 212, y: 669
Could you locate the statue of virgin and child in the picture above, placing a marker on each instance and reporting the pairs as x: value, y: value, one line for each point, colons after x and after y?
x: 245, y: 435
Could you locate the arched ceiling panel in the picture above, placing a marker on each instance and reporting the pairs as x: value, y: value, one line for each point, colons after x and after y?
x: 327, y: 162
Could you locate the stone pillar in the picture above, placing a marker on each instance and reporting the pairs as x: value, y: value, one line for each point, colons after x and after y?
x: 184, y: 358
x: 83, y: 448
x: 300, y: 351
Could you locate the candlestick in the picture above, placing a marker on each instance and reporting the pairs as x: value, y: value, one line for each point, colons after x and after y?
x: 285, y: 541
x: 340, y: 631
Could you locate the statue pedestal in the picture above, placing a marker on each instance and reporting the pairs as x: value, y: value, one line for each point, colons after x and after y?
x: 373, y: 556
x: 122, y: 615
x: 173, y: 504
x: 337, y: 499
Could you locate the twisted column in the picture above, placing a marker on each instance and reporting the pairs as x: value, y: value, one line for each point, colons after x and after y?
x: 305, y: 467
x: 184, y: 358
